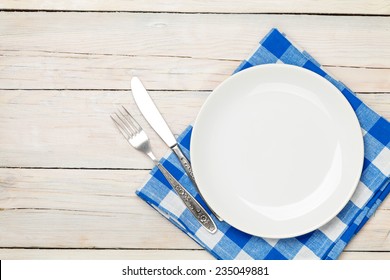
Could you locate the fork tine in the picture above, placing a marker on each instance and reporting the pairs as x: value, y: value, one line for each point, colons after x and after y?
x: 126, y: 125
x: 132, y: 120
x: 129, y: 126
x: 120, y: 126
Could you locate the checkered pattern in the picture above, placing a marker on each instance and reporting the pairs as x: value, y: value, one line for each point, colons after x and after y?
x: 326, y: 242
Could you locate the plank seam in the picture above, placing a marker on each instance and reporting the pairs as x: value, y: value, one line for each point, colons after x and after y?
x: 147, y: 249
x: 100, y: 248
x: 120, y: 55
x: 150, y: 90
x: 172, y: 56
x: 188, y: 13
x: 98, y: 213
x: 75, y: 168
x: 103, y: 89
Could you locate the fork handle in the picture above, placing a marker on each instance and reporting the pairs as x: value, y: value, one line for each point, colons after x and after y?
x: 192, y: 204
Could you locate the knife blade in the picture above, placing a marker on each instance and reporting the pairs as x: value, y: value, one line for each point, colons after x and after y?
x: 157, y: 122
x: 151, y: 113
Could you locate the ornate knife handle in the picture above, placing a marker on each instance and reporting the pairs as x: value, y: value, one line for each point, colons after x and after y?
x: 187, y: 167
x: 184, y: 162
x: 192, y: 204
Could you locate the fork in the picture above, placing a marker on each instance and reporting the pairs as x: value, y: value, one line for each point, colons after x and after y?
x: 136, y: 136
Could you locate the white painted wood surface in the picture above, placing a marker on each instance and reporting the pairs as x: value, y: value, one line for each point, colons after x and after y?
x: 67, y: 178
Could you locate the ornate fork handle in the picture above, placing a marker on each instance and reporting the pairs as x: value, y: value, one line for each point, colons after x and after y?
x: 192, y: 204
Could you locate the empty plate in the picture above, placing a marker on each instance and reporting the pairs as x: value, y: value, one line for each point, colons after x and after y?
x: 277, y: 151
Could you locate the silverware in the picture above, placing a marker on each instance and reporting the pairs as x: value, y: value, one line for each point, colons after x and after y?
x: 157, y: 122
x: 135, y: 135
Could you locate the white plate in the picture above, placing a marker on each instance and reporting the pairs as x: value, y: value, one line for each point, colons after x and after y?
x: 277, y: 151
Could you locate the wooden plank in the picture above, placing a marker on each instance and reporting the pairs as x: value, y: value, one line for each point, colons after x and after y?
x: 139, y: 229
x: 98, y: 209
x: 74, y: 254
x: 37, y: 70
x: 81, y: 209
x: 64, y: 254
x: 73, y: 128
x: 216, y: 6
x: 334, y: 41
x: 365, y: 256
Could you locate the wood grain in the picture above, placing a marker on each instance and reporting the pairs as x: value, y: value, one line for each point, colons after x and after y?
x: 381, y: 7
x: 334, y: 41
x: 72, y: 129
x: 37, y: 70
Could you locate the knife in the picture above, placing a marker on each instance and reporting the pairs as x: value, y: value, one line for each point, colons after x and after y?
x: 157, y: 122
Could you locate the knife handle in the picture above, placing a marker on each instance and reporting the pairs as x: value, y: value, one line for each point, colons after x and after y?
x: 184, y: 162
x: 187, y: 167
x: 192, y: 204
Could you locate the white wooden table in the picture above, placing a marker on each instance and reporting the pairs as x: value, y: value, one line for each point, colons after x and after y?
x: 67, y: 178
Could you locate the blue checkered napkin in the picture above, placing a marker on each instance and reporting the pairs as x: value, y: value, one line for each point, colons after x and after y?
x: 325, y: 243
